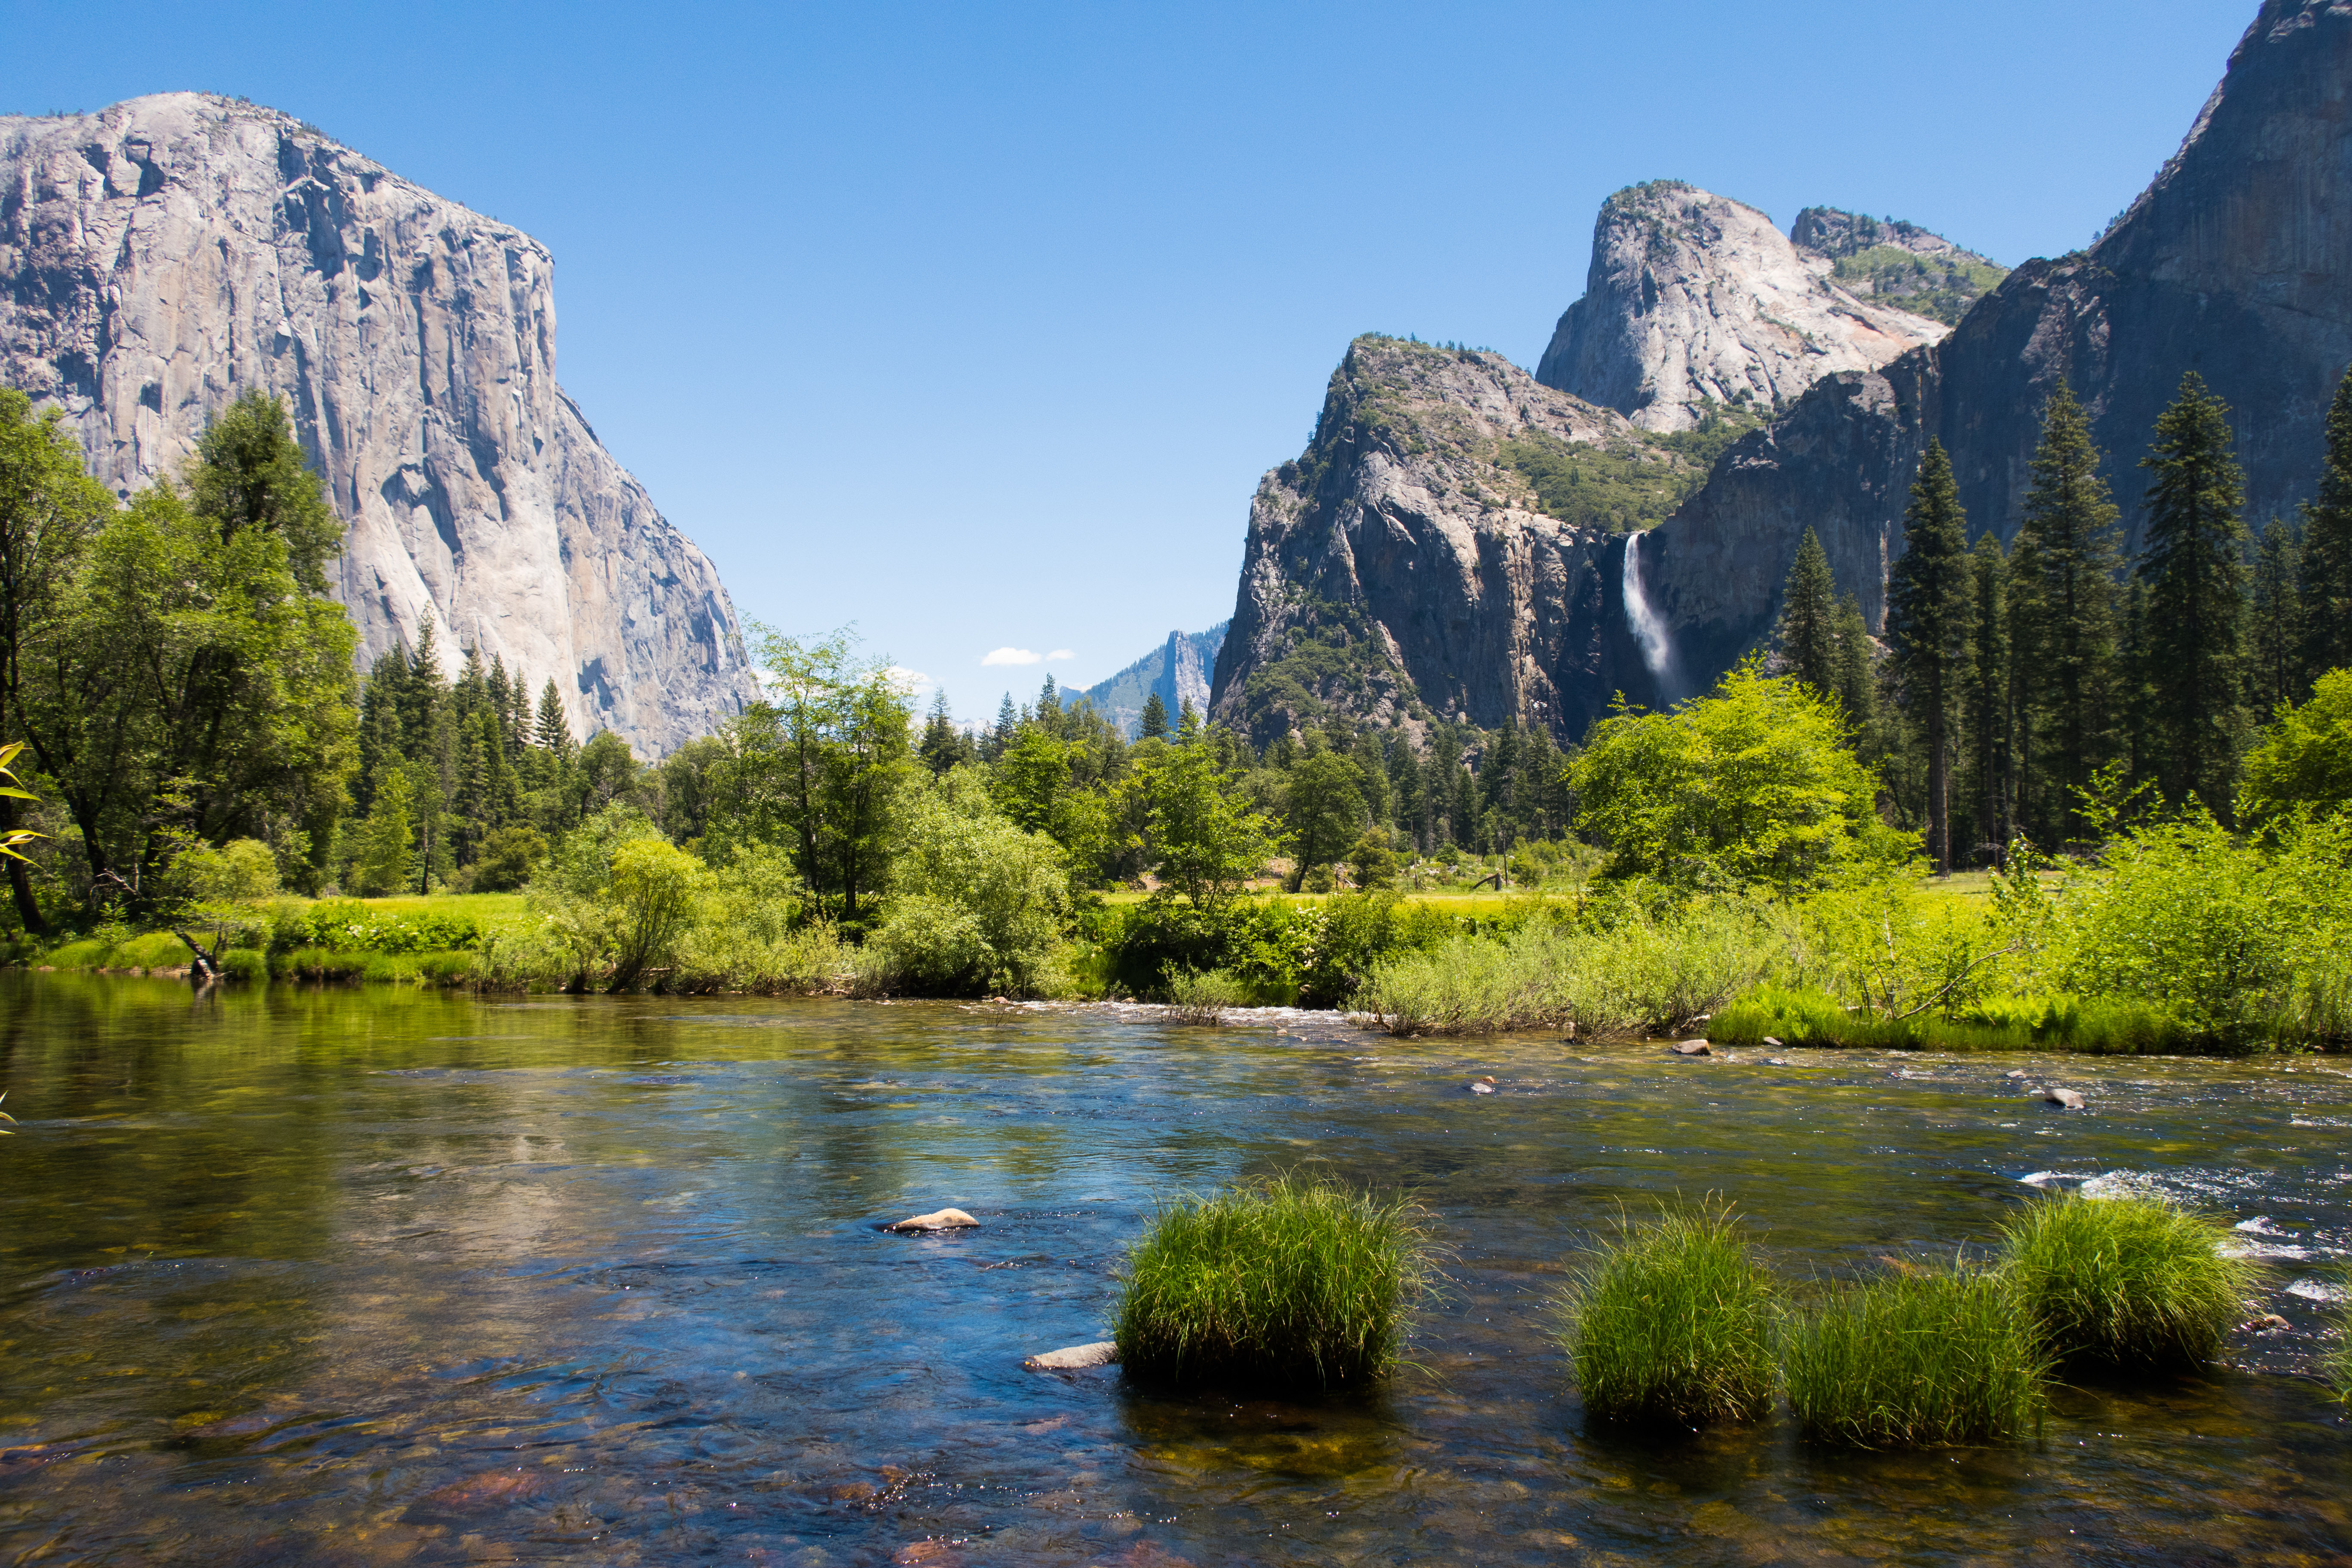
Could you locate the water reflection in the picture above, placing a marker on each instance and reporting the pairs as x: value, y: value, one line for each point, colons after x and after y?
x: 379, y: 1276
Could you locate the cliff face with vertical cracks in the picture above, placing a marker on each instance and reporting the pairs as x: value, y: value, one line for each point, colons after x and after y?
x: 160, y: 256
x: 2235, y: 263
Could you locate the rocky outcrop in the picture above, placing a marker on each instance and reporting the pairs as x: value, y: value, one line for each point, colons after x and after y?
x: 1404, y: 568
x: 1694, y: 299
x: 1178, y: 670
x: 160, y: 256
x: 2236, y: 263
x: 1890, y: 262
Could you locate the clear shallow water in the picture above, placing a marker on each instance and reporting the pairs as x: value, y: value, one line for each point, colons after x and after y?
x: 387, y: 1277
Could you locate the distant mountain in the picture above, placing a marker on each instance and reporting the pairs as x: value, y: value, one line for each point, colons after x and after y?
x: 1178, y: 670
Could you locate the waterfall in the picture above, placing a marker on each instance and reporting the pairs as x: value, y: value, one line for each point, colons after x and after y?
x: 1657, y: 648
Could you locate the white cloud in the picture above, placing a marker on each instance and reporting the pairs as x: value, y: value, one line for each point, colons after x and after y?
x: 1060, y: 652
x: 913, y: 682
x: 1011, y: 656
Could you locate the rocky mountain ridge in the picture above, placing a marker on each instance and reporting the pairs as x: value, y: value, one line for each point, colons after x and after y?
x: 161, y: 256
x: 1178, y: 670
x: 1403, y: 566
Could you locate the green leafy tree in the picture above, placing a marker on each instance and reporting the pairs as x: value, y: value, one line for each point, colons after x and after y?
x: 387, y: 840
x: 2304, y: 761
x: 2325, y: 569
x: 2071, y: 522
x: 1927, y: 620
x: 1807, y: 634
x: 49, y: 509
x: 1324, y: 807
x: 2194, y: 568
x: 1202, y: 841
x: 1754, y: 783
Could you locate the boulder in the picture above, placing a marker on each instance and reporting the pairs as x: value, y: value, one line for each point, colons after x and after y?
x: 938, y: 1219
x: 1074, y: 1358
x: 1692, y: 1048
x: 2053, y: 1095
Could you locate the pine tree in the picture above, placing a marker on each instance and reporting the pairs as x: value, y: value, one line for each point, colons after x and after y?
x: 2276, y: 636
x: 1188, y: 722
x: 1857, y: 670
x: 2194, y: 567
x: 2326, y: 567
x: 1412, y: 798
x: 1370, y: 761
x: 1155, y: 718
x: 1928, y: 617
x: 1466, y: 809
x: 1986, y: 717
x: 999, y: 735
x: 1807, y: 634
x: 2071, y: 522
x: 943, y: 745
x: 2027, y: 799
x: 553, y: 732
x: 1049, y: 709
x: 386, y: 862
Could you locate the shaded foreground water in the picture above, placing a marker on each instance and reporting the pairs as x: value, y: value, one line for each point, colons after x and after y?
x: 390, y: 1277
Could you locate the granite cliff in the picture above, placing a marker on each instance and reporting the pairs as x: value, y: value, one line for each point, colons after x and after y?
x: 161, y: 256
x: 1694, y: 299
x: 2236, y: 263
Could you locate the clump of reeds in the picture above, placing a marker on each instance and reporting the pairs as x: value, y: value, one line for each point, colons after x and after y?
x: 2125, y: 1281
x: 1672, y: 1322
x: 1283, y: 1281
x: 2337, y: 1366
x: 1925, y: 1357
x: 1202, y: 997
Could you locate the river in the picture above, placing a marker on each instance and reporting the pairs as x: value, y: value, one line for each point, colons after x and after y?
x: 385, y: 1276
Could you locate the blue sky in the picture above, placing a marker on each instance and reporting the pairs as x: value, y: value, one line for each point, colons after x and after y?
x: 975, y: 325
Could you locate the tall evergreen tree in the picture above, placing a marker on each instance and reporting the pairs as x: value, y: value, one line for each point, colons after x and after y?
x: 2194, y: 565
x: 2071, y: 522
x: 2027, y: 798
x: 1986, y: 717
x: 1411, y: 797
x: 1929, y: 602
x: 943, y: 745
x: 1155, y: 718
x: 2326, y: 565
x: 1857, y: 670
x: 1807, y: 634
x: 2276, y: 631
x: 551, y: 732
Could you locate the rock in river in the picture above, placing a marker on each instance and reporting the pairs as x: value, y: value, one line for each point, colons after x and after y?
x: 1693, y: 1049
x: 2053, y: 1095
x: 1074, y: 1358
x: 940, y: 1219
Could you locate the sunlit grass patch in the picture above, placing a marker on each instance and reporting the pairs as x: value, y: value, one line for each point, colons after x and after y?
x: 2336, y: 1366
x: 2126, y: 1280
x: 1923, y: 1358
x: 2097, y: 1025
x: 1285, y: 1281
x: 1672, y: 1323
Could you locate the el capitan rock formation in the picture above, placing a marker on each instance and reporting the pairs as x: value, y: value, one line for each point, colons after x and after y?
x: 160, y: 256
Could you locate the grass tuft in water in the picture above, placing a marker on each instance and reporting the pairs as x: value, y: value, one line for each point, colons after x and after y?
x: 1283, y: 1281
x: 1672, y: 1323
x: 2125, y: 1281
x: 1924, y: 1357
x: 1198, y: 997
x: 2336, y: 1366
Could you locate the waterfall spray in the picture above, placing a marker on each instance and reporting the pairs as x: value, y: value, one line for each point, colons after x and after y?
x: 1649, y: 631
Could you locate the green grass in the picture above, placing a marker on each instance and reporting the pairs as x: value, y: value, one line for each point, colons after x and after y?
x: 1204, y: 998
x: 1924, y: 1357
x: 2092, y: 1025
x: 1672, y: 1323
x: 374, y: 968
x: 1287, y: 1281
x: 2336, y: 1366
x: 2124, y: 1282
x: 496, y: 911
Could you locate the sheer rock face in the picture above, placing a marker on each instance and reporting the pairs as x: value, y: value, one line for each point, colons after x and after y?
x: 160, y: 256
x: 2236, y: 263
x: 1693, y: 298
x: 1398, y: 562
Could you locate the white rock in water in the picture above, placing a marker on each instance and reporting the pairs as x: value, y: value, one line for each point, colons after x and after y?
x: 1693, y: 1049
x: 161, y: 256
x: 1074, y: 1358
x: 938, y: 1219
x: 2065, y: 1097
x: 1482, y: 1088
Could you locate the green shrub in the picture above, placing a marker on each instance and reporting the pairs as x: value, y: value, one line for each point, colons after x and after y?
x: 347, y: 925
x: 317, y: 964
x: 1921, y: 1358
x: 88, y: 953
x: 156, y: 949
x: 1205, y: 998
x: 448, y: 968
x: 2124, y: 1282
x: 1279, y: 1282
x: 245, y: 963
x: 510, y: 856
x: 1672, y: 1322
x: 238, y: 872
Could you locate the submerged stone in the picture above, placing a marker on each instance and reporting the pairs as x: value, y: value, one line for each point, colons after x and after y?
x: 1074, y: 1358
